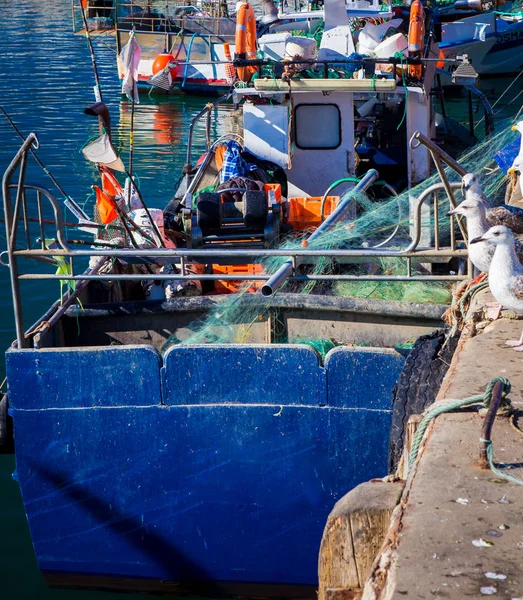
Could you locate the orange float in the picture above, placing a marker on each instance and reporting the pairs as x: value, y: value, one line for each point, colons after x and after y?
x: 416, y: 37
x: 110, y: 185
x: 161, y: 61
x: 245, y: 40
x: 230, y: 70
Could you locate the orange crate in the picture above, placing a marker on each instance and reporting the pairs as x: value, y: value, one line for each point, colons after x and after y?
x: 229, y: 286
x: 277, y: 190
x: 305, y: 213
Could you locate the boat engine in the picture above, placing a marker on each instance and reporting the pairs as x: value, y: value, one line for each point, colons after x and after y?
x: 234, y: 218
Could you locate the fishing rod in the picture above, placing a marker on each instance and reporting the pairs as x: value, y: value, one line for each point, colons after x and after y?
x: 97, y: 87
x: 69, y: 202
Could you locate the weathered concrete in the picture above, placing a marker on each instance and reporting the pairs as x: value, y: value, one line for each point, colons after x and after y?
x: 429, y: 550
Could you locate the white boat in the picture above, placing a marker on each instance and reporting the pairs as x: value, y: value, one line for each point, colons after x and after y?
x: 493, y: 42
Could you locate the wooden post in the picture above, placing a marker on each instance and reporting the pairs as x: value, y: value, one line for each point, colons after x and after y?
x: 412, y: 426
x: 353, y: 535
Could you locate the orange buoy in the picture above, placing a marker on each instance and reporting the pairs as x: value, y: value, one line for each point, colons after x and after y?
x: 110, y: 185
x: 161, y: 61
x: 416, y: 36
x: 230, y: 70
x: 245, y: 39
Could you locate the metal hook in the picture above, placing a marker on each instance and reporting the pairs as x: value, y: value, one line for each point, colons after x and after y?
x: 4, y: 264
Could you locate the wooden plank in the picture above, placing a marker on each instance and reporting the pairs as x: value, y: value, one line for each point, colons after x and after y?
x: 353, y: 535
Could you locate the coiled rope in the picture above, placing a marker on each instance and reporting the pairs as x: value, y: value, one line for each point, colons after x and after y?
x: 483, y: 399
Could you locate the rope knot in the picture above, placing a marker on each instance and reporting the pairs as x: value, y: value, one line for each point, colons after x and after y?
x: 505, y: 402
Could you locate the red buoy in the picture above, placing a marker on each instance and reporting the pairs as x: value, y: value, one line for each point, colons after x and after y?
x: 161, y: 61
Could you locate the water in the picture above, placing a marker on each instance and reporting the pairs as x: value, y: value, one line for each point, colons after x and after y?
x: 47, y: 81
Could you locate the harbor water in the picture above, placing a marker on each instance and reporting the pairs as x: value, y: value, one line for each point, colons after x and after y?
x: 47, y: 81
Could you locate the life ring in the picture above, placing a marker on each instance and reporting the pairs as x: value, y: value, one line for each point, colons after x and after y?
x: 245, y: 40
x: 416, y: 37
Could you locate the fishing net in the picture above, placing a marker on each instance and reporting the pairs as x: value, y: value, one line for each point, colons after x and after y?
x: 376, y: 222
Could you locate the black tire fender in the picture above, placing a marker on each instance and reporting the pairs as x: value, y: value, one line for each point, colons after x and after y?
x: 418, y: 385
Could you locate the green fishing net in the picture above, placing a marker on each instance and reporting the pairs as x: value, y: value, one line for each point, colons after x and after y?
x: 386, y: 222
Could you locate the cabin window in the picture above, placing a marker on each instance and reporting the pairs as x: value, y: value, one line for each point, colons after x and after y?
x: 317, y: 126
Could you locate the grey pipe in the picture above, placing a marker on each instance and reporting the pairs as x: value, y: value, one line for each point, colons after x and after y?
x: 286, y: 270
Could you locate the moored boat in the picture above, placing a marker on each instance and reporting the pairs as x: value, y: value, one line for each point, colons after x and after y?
x: 152, y: 453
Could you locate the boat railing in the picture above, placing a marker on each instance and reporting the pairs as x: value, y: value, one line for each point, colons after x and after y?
x: 167, y: 16
x: 26, y: 217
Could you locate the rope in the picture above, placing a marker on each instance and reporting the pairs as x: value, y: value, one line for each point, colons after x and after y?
x: 401, y: 56
x: 503, y: 94
x: 441, y: 408
x: 493, y: 468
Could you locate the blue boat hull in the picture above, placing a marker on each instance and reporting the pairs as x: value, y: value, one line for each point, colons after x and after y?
x: 217, y: 466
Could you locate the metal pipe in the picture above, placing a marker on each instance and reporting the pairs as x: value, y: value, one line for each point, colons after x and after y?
x: 483, y: 461
x: 286, y: 270
x: 423, y: 140
x: 213, y: 277
x: 69, y: 202
x: 8, y: 213
x: 190, y: 134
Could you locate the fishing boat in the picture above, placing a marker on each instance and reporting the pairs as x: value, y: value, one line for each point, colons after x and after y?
x: 189, y: 411
x: 492, y: 41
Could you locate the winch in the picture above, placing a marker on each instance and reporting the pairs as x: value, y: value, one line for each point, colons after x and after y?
x: 234, y: 218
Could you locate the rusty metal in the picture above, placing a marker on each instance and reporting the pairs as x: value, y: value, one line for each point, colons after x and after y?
x: 495, y: 399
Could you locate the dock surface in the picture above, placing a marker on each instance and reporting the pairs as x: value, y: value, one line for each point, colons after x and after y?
x: 458, y: 532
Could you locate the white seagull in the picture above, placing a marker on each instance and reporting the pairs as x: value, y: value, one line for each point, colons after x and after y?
x: 505, y: 273
x: 517, y: 165
x: 478, y: 223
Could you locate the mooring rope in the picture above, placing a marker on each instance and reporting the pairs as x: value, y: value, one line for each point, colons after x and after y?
x: 441, y: 408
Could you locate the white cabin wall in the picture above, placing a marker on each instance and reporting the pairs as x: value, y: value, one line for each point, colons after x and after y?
x: 312, y: 171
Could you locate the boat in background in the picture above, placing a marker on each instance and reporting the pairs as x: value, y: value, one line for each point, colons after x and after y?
x: 492, y: 40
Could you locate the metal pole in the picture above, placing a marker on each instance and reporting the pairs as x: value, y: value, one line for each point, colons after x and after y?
x: 69, y: 202
x: 97, y: 87
x: 286, y: 270
x: 483, y: 461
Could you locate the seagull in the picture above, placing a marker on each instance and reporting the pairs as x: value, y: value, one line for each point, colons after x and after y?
x: 511, y: 216
x: 473, y: 189
x: 505, y: 273
x: 517, y: 165
x: 478, y: 223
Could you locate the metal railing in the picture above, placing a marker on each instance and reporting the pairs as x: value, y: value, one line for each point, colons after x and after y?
x: 165, y: 16
x: 18, y: 220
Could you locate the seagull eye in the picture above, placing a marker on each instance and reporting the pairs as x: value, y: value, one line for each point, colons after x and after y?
x: 496, y: 233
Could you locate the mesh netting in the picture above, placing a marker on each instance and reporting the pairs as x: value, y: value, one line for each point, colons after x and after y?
x: 376, y: 221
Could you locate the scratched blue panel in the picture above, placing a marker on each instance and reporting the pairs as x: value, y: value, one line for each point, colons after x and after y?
x: 235, y: 493
x: 362, y: 377
x: 506, y: 156
x: 270, y: 374
x: 73, y: 377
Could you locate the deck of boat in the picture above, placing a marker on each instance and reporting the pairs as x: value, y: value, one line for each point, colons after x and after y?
x: 104, y: 32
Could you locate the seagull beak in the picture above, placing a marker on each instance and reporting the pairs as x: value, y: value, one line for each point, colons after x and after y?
x: 478, y: 239
x: 453, y: 212
x: 512, y: 170
x: 514, y: 128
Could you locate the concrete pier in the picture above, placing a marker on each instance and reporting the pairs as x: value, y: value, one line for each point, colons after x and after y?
x: 458, y: 530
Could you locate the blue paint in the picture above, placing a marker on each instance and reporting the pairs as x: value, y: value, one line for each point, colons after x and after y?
x: 205, y: 479
x: 241, y: 374
x: 45, y: 379
x: 363, y: 377
x: 506, y: 157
